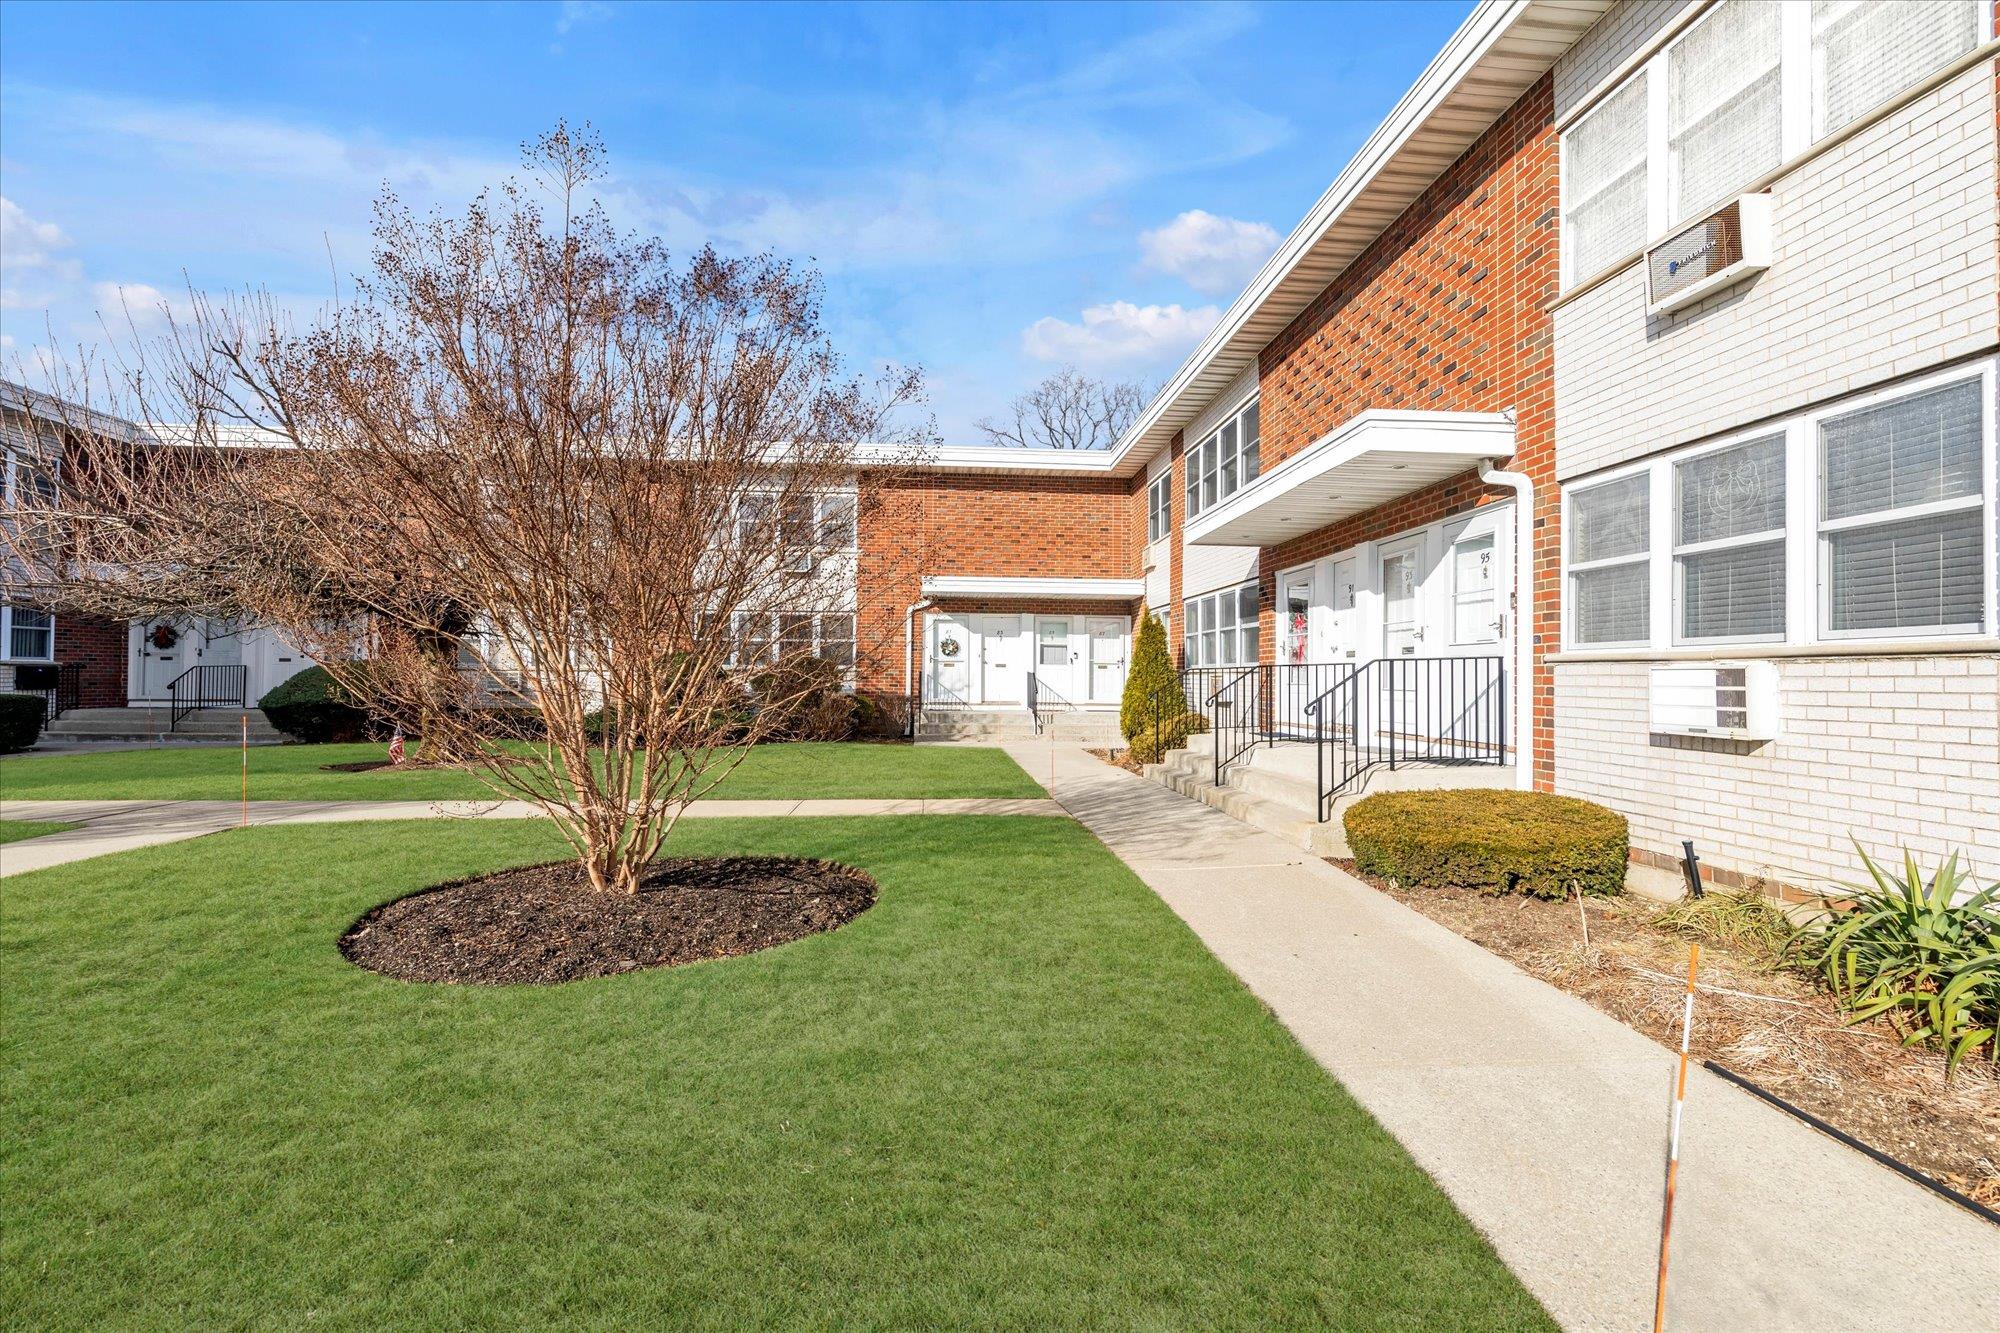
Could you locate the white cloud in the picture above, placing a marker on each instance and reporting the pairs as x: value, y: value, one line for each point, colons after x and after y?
x: 31, y: 258
x: 147, y: 306
x: 1214, y: 255
x: 1118, y: 332
x: 576, y: 13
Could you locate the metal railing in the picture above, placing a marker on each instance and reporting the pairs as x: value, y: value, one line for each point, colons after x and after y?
x: 59, y: 683
x: 1045, y: 702
x: 207, y: 687
x: 1401, y: 710
x: 928, y: 697
x: 1264, y: 704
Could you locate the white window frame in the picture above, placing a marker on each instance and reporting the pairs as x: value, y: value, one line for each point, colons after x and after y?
x: 774, y: 629
x: 1160, y: 506
x: 1231, y: 596
x: 1806, y: 548
x: 7, y: 653
x: 1205, y: 462
x: 1678, y: 551
x: 1641, y: 557
x: 1799, y: 138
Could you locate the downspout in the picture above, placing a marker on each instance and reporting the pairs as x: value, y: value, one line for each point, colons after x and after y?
x: 1524, y: 616
x: 909, y: 644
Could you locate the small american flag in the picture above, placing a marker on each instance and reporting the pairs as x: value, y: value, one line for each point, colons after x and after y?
x: 396, y: 747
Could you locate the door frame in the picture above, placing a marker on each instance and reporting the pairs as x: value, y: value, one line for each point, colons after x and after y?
x: 1062, y: 679
x: 1090, y: 638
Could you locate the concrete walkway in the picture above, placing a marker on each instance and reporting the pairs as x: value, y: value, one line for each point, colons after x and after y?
x: 117, y: 826
x: 1543, y: 1119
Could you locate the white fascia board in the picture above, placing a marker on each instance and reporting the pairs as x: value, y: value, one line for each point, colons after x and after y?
x: 989, y: 458
x: 974, y: 585
x: 1304, y: 492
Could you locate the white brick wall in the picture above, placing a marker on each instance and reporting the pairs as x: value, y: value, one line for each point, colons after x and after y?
x: 1885, y: 264
x: 1897, y: 751
x: 1609, y: 44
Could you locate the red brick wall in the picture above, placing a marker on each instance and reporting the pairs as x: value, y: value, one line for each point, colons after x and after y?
x: 101, y: 645
x: 1447, y: 311
x: 940, y: 523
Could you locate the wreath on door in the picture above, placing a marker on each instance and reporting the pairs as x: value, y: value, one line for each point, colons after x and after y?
x: 164, y: 636
x: 947, y: 648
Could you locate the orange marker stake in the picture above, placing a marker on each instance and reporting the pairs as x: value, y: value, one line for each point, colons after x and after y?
x: 246, y: 770
x: 1674, y: 1143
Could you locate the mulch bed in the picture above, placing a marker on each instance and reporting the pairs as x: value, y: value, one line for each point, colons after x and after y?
x: 539, y: 925
x: 364, y: 766
x: 1120, y: 759
x: 1773, y: 1026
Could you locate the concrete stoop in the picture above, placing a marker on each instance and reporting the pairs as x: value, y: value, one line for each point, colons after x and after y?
x: 214, y: 725
x: 1081, y: 728
x: 1275, y: 788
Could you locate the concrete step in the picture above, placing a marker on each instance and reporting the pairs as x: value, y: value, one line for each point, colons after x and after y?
x: 1191, y: 778
x: 995, y: 725
x: 153, y: 724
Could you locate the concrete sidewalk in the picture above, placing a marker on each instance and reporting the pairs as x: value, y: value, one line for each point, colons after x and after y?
x: 1543, y: 1119
x: 117, y: 826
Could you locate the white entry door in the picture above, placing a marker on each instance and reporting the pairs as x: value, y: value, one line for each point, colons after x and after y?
x: 1295, y: 600
x: 954, y: 650
x: 165, y: 650
x: 1107, y: 659
x: 1343, y: 631
x: 1003, y: 667
x: 1402, y: 633
x: 1055, y: 661
x: 1478, y: 566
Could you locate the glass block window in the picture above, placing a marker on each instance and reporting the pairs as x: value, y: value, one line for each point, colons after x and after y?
x: 1609, y: 582
x: 1729, y: 542
x: 1901, y: 515
x: 1724, y: 119
x: 1604, y: 181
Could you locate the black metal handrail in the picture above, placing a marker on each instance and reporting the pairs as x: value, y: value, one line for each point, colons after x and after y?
x: 59, y: 683
x: 1396, y: 710
x: 207, y: 687
x: 927, y: 696
x: 1262, y: 704
x: 1042, y: 700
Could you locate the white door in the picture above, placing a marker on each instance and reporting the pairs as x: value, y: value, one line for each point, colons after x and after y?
x: 165, y: 650
x: 1343, y: 632
x: 953, y: 650
x: 1395, y: 700
x: 1107, y: 659
x: 1003, y: 668
x: 1295, y: 598
x: 1479, y: 570
x: 1055, y: 661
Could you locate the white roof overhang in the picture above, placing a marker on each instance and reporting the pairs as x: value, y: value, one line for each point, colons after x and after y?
x: 1372, y: 459
x: 956, y: 585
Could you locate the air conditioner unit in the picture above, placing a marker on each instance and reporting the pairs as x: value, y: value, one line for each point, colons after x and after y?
x: 798, y: 560
x: 1731, y: 700
x: 1725, y: 247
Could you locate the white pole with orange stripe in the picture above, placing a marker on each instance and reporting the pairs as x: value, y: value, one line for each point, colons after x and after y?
x: 1674, y: 1143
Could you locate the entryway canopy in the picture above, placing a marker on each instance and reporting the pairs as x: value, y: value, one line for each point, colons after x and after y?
x: 1081, y: 589
x: 1372, y: 459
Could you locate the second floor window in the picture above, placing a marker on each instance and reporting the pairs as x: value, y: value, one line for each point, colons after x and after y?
x: 1159, y: 506
x: 1224, y: 462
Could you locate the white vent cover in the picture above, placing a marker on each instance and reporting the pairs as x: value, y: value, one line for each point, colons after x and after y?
x: 1731, y: 700
x: 1725, y: 247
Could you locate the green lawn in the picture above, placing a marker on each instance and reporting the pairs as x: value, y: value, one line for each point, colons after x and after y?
x: 19, y: 830
x: 294, y: 773
x: 1016, y: 1093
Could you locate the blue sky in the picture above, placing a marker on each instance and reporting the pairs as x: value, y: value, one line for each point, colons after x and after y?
x: 990, y: 191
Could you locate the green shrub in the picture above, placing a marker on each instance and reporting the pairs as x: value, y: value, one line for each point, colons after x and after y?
x: 800, y: 699
x: 312, y: 707
x: 1485, y: 838
x: 1923, y: 953
x: 1152, y: 671
x: 21, y: 717
x: 1173, y: 734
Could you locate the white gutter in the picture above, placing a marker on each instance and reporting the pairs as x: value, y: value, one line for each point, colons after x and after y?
x: 1524, y: 617
x: 909, y: 642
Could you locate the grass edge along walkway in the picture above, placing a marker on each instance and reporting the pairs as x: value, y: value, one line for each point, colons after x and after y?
x: 20, y: 830
x: 797, y: 770
x: 1017, y: 1091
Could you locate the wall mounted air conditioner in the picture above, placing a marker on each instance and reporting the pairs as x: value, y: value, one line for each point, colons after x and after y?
x: 1725, y: 247
x: 1732, y: 700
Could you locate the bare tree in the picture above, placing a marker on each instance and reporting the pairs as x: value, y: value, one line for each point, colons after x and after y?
x: 530, y: 469
x: 1069, y: 410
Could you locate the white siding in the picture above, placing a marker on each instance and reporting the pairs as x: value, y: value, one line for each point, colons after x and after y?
x: 1885, y: 264
x: 1220, y: 408
x: 1159, y: 577
x: 1895, y: 751
x: 1206, y: 568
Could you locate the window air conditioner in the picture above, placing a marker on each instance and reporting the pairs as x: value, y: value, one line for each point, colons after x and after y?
x: 1723, y: 248
x: 1733, y: 700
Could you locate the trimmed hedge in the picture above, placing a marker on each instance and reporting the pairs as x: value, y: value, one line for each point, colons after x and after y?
x: 312, y: 707
x: 1174, y: 733
x: 21, y: 717
x: 1489, y: 839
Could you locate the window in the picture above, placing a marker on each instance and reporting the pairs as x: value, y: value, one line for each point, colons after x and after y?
x: 1159, y: 506
x: 1723, y: 109
x: 1745, y: 88
x: 1729, y: 542
x: 1878, y: 508
x: 1052, y: 640
x: 1902, y: 515
x: 824, y: 522
x: 759, y: 637
x: 1609, y: 583
x: 1223, y: 463
x: 1604, y: 180
x: 31, y: 634
x: 1865, y: 53
x: 1222, y: 628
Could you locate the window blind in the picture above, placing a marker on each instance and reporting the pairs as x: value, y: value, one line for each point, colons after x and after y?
x: 1914, y: 451
x: 1610, y: 605
x: 1865, y: 52
x: 1604, y: 160
x: 1723, y: 114
x: 1919, y: 574
x: 1737, y: 592
x: 1732, y: 492
x: 1609, y: 520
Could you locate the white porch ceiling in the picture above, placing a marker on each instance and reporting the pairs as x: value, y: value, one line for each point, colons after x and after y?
x: 1374, y: 458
